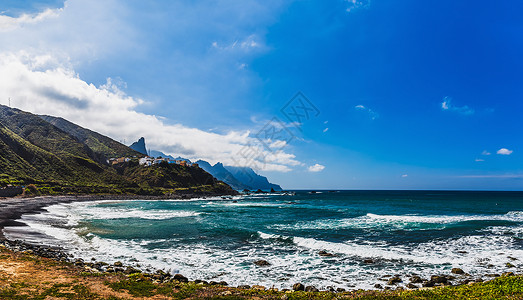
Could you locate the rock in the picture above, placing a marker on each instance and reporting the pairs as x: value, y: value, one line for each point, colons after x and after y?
x: 298, y: 287
x: 311, y: 289
x: 284, y: 297
x: 508, y: 274
x: 428, y: 284
x: 262, y: 263
x: 340, y: 290
x: 330, y: 289
x: 457, y: 271
x: 511, y: 258
x: 244, y: 287
x: 509, y: 265
x: 109, y: 270
x: 368, y: 261
x: 180, y: 278
x: 226, y: 293
x: 438, y: 279
x: 258, y: 287
x: 325, y: 253
x: 411, y: 286
x: 378, y: 286
x: 224, y: 283
x: 131, y: 270
x: 118, y: 264
x: 394, y: 280
x: 416, y: 279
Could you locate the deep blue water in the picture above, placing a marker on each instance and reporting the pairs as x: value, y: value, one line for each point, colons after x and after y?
x: 402, y: 232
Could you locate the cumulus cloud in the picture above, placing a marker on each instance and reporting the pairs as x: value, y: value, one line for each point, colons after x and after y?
x: 504, y: 151
x: 316, y: 168
x: 448, y: 106
x: 9, y: 23
x: 42, y: 85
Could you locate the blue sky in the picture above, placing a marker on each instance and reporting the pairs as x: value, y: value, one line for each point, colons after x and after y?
x: 410, y: 94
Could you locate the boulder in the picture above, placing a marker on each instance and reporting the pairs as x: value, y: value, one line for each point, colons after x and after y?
x: 394, y: 280
x: 509, y: 265
x: 298, y: 287
x: 411, y: 286
x: 262, y: 263
x: 118, y: 264
x: 325, y: 253
x: 438, y: 279
x: 180, y: 278
x: 311, y: 289
x: 378, y: 286
x: 457, y: 271
x: 368, y: 261
x: 416, y: 279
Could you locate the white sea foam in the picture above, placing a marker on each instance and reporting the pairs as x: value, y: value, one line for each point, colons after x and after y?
x: 293, y: 258
x: 406, y: 222
x: 94, y: 210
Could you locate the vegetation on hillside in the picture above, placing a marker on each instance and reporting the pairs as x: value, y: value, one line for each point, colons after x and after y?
x: 73, y: 160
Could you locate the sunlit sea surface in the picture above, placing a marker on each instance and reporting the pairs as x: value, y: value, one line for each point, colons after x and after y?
x: 369, y: 233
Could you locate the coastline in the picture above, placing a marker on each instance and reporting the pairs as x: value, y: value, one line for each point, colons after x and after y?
x: 12, y: 209
x: 25, y: 275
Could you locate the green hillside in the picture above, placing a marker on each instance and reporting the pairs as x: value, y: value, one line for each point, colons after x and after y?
x: 60, y: 157
x: 100, y: 144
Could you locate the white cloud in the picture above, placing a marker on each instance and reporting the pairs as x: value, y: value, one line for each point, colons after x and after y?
x: 372, y: 114
x: 44, y: 86
x: 447, y: 106
x: 405, y: 175
x: 479, y: 160
x: 326, y: 129
x: 9, y: 23
x: 485, y: 152
x: 504, y: 151
x: 316, y: 168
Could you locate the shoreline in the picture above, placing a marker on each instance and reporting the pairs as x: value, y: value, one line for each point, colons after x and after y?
x: 11, y: 209
x: 26, y: 275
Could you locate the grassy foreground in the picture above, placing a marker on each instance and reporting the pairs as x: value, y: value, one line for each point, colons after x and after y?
x: 26, y: 276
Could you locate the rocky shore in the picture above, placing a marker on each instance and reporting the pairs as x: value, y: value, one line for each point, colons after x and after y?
x: 389, y: 282
x: 11, y: 209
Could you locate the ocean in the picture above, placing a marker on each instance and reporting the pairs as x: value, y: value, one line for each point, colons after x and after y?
x: 370, y: 234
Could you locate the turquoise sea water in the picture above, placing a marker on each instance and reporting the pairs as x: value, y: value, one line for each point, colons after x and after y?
x: 402, y: 232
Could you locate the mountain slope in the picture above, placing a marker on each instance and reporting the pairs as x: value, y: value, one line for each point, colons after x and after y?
x: 33, y: 150
x: 248, y: 177
x: 100, y: 144
x: 219, y: 171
